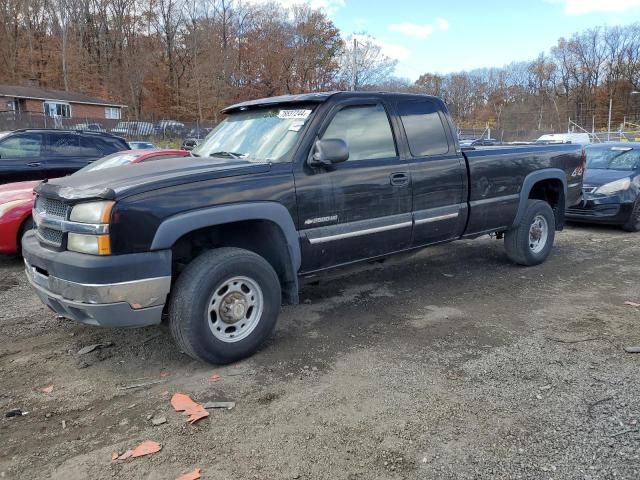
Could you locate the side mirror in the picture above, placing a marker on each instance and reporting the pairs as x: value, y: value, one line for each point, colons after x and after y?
x: 329, y: 151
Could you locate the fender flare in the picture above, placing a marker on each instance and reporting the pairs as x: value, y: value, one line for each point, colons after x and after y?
x: 172, y: 228
x: 533, y: 178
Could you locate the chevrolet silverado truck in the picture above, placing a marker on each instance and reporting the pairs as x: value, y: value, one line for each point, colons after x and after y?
x: 283, y: 189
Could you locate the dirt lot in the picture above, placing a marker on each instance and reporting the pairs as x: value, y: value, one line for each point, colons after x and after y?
x: 448, y: 364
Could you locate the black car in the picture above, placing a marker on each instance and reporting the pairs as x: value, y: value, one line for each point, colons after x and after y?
x: 194, y: 137
x: 36, y: 154
x: 611, y: 186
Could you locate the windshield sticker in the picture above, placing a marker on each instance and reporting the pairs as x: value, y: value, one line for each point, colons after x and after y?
x: 296, y: 126
x: 294, y: 114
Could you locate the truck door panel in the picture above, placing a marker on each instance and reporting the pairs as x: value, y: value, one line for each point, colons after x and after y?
x: 438, y: 173
x: 360, y: 208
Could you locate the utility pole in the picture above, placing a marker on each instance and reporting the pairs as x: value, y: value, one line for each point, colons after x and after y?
x: 609, y: 123
x: 354, y: 73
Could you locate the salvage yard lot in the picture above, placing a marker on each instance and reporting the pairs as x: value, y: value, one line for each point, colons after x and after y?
x: 451, y: 363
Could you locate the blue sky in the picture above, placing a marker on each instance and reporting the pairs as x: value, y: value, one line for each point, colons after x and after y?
x: 445, y: 36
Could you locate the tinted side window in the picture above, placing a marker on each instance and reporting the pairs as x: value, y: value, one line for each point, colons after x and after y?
x: 424, y: 129
x: 22, y: 145
x: 64, y: 144
x: 366, y: 130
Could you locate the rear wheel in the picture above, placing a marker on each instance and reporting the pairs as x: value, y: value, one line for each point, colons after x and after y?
x: 224, y: 305
x: 633, y: 224
x: 530, y: 243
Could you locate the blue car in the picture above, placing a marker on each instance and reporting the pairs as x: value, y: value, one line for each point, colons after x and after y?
x: 611, y: 186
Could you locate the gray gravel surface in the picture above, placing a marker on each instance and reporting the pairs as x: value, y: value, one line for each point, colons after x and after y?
x: 451, y: 363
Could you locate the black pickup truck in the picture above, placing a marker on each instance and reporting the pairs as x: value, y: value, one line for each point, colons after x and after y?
x: 282, y: 189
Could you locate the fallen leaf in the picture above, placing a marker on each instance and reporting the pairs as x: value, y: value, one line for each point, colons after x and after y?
x: 145, y: 448
x: 215, y: 377
x: 91, y: 348
x: 181, y: 402
x: 194, y: 475
x: 632, y: 304
x: 48, y: 389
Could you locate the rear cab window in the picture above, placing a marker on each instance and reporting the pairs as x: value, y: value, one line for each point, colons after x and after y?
x: 426, y: 134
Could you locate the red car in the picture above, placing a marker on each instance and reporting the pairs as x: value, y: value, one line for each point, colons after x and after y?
x: 16, y: 199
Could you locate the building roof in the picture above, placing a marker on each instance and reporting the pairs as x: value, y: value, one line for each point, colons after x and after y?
x: 37, y: 93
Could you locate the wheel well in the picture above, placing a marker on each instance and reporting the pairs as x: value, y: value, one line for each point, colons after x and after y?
x: 262, y: 237
x: 551, y: 191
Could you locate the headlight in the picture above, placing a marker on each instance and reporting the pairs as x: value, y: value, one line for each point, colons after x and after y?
x: 92, y: 212
x: 92, y: 244
x: 5, y: 207
x: 614, y: 187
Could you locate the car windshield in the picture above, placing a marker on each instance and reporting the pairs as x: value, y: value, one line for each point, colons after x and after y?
x: 622, y: 158
x: 114, y: 160
x: 257, y: 135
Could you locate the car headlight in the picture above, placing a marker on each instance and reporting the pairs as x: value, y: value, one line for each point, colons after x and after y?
x: 92, y: 212
x: 6, y: 207
x: 91, y: 244
x: 97, y: 213
x: 614, y: 187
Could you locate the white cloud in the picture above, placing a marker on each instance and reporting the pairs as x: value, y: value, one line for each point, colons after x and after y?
x: 583, y: 7
x: 416, y: 30
x: 391, y: 50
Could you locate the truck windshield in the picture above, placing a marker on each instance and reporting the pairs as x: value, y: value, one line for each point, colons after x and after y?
x: 257, y: 135
x: 613, y: 159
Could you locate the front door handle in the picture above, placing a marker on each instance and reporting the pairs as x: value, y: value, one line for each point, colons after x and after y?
x: 34, y: 164
x: 399, y: 179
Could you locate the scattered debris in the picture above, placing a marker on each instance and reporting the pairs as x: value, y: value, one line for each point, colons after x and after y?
x: 632, y: 304
x: 448, y: 275
x: 150, y: 337
x: 155, y: 421
x: 215, y: 377
x: 138, y: 385
x: 597, y: 402
x: 48, y: 389
x: 546, y: 387
x: 145, y: 448
x: 165, y: 374
x: 16, y: 412
x: 194, y: 475
x: 195, y: 411
x: 240, y: 372
x: 630, y: 430
x: 226, y: 405
x: 95, y: 346
x: 632, y: 349
x: 64, y: 424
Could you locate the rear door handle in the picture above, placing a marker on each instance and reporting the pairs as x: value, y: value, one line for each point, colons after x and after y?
x: 399, y: 179
x: 34, y: 164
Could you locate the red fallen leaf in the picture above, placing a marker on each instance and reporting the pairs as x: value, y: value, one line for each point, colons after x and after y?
x: 145, y: 448
x: 194, y: 475
x: 181, y: 402
x: 215, y: 377
x: 48, y: 389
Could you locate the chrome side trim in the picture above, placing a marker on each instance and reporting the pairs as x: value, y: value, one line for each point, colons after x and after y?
x: 138, y: 293
x: 422, y: 221
x: 43, y: 220
x: 358, y: 233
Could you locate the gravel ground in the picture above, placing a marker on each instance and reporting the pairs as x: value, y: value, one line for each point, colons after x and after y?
x: 451, y: 363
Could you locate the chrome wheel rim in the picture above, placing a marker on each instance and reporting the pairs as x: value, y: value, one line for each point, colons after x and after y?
x: 538, y: 234
x: 234, y: 309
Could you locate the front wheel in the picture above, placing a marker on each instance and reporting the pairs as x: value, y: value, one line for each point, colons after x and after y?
x: 224, y: 305
x: 530, y: 242
x: 633, y: 224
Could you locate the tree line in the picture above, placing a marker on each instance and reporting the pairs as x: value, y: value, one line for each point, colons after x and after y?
x: 187, y: 59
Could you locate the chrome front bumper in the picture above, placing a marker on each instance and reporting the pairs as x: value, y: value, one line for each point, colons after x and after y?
x: 125, y: 304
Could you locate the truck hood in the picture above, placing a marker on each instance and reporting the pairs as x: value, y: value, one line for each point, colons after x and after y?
x: 599, y: 176
x: 118, y: 182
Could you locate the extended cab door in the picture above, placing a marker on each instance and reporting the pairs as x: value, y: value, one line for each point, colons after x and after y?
x: 438, y: 172
x: 20, y: 157
x: 360, y: 208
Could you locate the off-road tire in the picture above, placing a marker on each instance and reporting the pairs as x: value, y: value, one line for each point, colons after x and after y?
x: 188, y: 320
x: 517, y: 242
x: 633, y: 224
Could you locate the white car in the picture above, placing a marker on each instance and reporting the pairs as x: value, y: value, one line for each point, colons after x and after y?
x: 579, y: 138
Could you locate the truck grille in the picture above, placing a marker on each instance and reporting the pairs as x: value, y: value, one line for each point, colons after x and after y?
x: 51, y: 208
